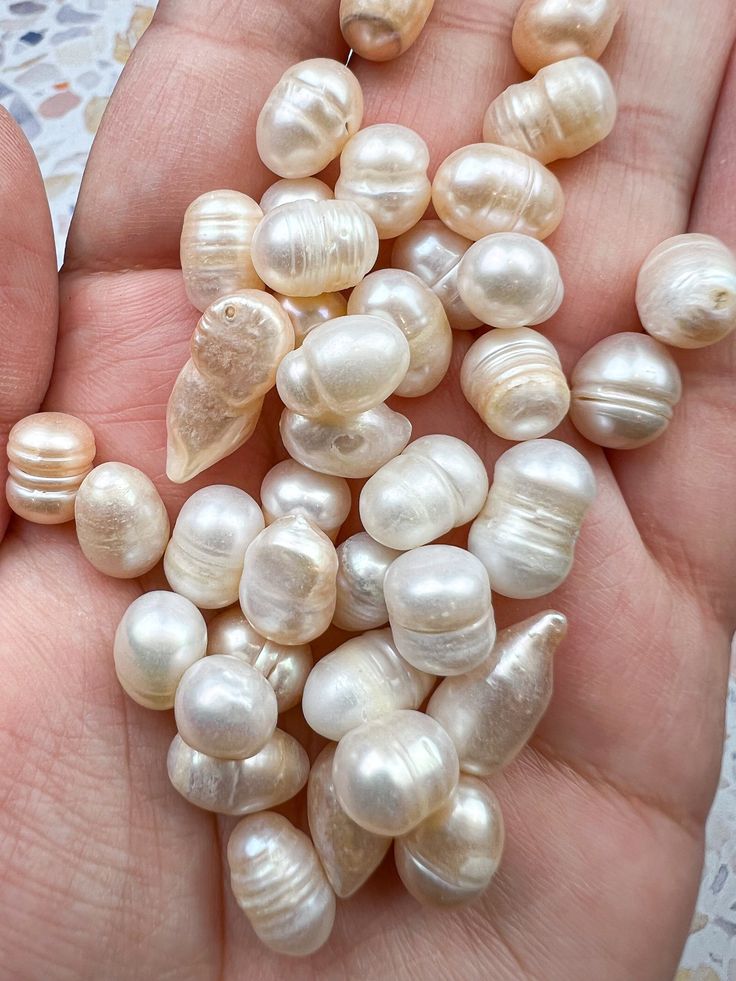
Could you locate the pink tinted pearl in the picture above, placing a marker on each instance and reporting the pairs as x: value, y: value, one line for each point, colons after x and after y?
x: 546, y: 31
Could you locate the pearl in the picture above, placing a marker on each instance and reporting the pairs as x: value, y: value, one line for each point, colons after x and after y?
x: 381, y: 30
x: 514, y: 381
x: 686, y: 291
x: 546, y: 31
x: 437, y: 484
x: 122, y: 524
x: 565, y: 109
x: 491, y: 713
x: 312, y: 111
x: 526, y: 533
x: 49, y: 455
x: 159, y: 636
x: 390, y: 774
x: 290, y: 488
x: 361, y: 570
x: 439, y: 606
x: 308, y: 312
x: 624, y: 390
x: 295, y: 189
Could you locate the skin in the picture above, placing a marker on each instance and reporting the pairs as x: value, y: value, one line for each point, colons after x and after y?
x: 106, y: 872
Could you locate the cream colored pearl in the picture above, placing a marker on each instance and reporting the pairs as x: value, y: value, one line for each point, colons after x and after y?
x: 122, y: 524
x: 362, y: 566
x: 215, y: 246
x: 308, y: 312
x: 279, y: 884
x: 49, y: 455
x: 624, y: 390
x: 380, y: 30
x: 383, y: 168
x: 437, y: 484
x: 546, y: 31
x: 290, y: 488
x: 526, y: 533
x: 686, y: 291
x: 159, y: 636
x: 312, y: 111
x: 564, y: 110
x: 514, y: 381
x: 491, y: 713
x: 295, y: 189
x: 483, y: 188
x: 311, y: 247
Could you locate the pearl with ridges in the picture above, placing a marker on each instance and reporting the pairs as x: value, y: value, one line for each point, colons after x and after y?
x: 546, y: 31
x: 290, y: 488
x: 380, y: 30
x: 288, y: 190
x: 361, y: 571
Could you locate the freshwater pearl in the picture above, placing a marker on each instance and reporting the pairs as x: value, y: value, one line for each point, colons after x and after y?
x: 279, y: 884
x: 439, y: 607
x: 290, y: 488
x: 401, y: 298
x: 565, y: 109
x: 514, y: 381
x: 311, y: 247
x: 49, y: 455
x: 391, y: 773
x: 204, y: 559
x: 215, y: 246
x: 361, y: 569
x: 295, y: 189
x: 437, y: 484
x: 624, y: 390
x: 308, y: 312
x: 122, y: 524
x: 380, y: 30
x: 159, y: 636
x: 526, y: 533
x: 491, y: 713
x: 510, y: 280
x: 311, y: 113
x: 546, y: 31
x: 686, y: 291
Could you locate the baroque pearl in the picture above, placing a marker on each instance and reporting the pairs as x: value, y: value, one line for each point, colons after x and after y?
x: 380, y: 30
x: 546, y: 31
x: 49, y: 455
x: 295, y: 189
x: 290, y: 488
x: 624, y: 390
x: 526, y: 533
x: 308, y: 312
x: 361, y: 570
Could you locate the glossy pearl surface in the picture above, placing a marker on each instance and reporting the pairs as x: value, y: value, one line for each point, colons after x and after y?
x: 362, y: 566
x: 308, y: 312
x: 546, y: 31
x: 295, y: 189
x: 624, y: 390
x: 49, y: 455
x: 290, y: 488
x: 380, y: 30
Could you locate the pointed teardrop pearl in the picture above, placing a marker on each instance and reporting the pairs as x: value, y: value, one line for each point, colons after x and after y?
x: 546, y: 31
x: 362, y: 567
x: 295, y: 189
x: 290, y: 488
x: 380, y: 30
x: 308, y: 312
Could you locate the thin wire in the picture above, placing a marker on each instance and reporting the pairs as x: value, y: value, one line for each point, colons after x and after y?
x: 350, y: 55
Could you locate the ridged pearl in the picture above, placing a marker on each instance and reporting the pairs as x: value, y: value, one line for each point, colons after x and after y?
x: 686, y: 291
x: 526, y: 533
x: 279, y: 884
x: 159, y: 636
x: 390, y: 774
x: 361, y: 571
x: 122, y: 524
x: 546, y: 31
x: 624, y: 390
x: 514, y: 381
x: 311, y: 113
x: 380, y: 30
x: 491, y: 713
x: 437, y: 484
x: 49, y: 455
x: 290, y: 488
x: 311, y: 247
x: 295, y: 189
x: 308, y: 312
x: 565, y: 109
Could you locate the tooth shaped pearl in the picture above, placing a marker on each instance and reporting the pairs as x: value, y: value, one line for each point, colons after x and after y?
x: 308, y: 312
x: 491, y: 713
x: 364, y: 679
x: 159, y: 636
x: 546, y: 31
x: 122, y: 524
x: 49, y: 455
x: 565, y: 109
x: 526, y: 533
x: 288, y: 190
x: 215, y: 246
x: 279, y: 884
x: 361, y: 571
x: 437, y: 484
x: 514, y: 381
x: 380, y: 30
x: 440, y: 611
x: 290, y: 488
x: 624, y: 390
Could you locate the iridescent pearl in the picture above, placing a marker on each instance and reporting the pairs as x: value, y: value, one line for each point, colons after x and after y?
x: 49, y: 455
x: 624, y: 390
x: 546, y: 31
x: 380, y: 30
x: 526, y: 533
x: 295, y: 189
x: 290, y: 488
x: 361, y: 570
x: 308, y: 312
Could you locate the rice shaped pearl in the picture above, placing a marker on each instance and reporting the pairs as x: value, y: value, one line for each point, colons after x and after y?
x: 624, y: 391
x: 311, y: 113
x: 279, y: 884
x: 383, y: 169
x: 215, y: 246
x: 122, y: 524
x: 686, y: 291
x: 49, y: 455
x: 361, y: 571
x: 288, y: 190
x: 546, y: 31
x: 526, y: 533
x: 308, y: 312
x: 514, y: 381
x: 380, y: 30
x: 565, y: 109
x: 484, y: 188
x: 437, y: 484
x: 159, y: 636
x: 439, y: 606
x: 311, y: 247
x: 290, y: 488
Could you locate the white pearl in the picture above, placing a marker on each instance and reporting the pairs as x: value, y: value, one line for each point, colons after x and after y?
x: 546, y: 31
x: 290, y: 488
x: 308, y: 312
x: 295, y: 189
x: 362, y: 567
x: 381, y: 30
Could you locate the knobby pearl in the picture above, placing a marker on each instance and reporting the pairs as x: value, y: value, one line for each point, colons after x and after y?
x: 361, y: 571
x: 290, y: 488
x: 380, y: 30
x: 308, y: 312
x: 546, y: 31
x: 296, y: 189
